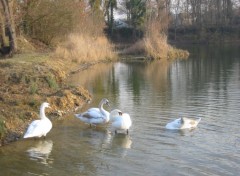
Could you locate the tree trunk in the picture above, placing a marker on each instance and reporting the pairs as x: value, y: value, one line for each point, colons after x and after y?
x: 10, y: 25
x: 3, y: 39
x: 111, y: 17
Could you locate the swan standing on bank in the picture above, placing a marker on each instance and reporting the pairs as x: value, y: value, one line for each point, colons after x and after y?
x: 120, y: 121
x: 39, y: 128
x: 183, y: 123
x: 95, y: 116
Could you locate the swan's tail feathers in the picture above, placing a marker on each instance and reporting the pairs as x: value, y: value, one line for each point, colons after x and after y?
x: 82, y: 118
x: 78, y: 115
x: 27, y: 135
x: 198, y: 119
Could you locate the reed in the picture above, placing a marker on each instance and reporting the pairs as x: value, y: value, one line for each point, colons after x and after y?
x: 156, y: 48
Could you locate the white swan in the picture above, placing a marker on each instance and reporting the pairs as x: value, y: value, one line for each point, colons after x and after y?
x: 39, y: 128
x: 95, y: 116
x: 183, y: 123
x: 120, y: 121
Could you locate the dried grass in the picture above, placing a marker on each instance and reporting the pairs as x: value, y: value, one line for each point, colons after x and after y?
x: 84, y: 48
x: 156, y: 46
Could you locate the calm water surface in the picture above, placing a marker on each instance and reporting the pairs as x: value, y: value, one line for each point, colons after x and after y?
x: 206, y: 85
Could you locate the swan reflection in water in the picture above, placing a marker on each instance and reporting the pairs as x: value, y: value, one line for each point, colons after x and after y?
x: 107, y: 141
x: 121, y: 141
x: 41, y: 151
x: 121, y: 144
x: 97, y: 137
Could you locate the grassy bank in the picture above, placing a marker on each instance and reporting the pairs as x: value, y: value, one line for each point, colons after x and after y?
x: 27, y: 80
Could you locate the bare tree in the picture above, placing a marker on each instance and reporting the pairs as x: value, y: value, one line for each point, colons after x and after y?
x: 10, y: 31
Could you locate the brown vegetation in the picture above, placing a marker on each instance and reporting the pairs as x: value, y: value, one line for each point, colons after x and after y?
x: 155, y: 43
x: 156, y: 48
x: 85, y: 48
x: 27, y: 81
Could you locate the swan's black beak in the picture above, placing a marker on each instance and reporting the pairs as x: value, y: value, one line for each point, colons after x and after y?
x: 120, y: 113
x: 108, y: 104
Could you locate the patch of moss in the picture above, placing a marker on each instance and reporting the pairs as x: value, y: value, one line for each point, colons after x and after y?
x: 33, y: 87
x: 2, y: 127
x: 52, y: 82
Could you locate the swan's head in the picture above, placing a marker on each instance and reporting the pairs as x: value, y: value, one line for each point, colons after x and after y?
x: 45, y: 105
x: 105, y: 101
x: 115, y: 113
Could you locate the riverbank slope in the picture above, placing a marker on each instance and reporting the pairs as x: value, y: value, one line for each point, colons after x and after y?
x: 26, y: 81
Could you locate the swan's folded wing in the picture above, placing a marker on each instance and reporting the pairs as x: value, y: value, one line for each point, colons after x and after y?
x: 99, y: 120
x: 175, y: 124
x: 93, y: 109
x: 92, y: 114
x: 116, y: 118
x: 31, y: 129
x: 89, y: 115
x: 127, y: 118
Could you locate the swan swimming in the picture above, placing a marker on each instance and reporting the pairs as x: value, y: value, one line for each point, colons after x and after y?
x: 95, y: 116
x: 120, y: 121
x: 39, y: 128
x: 183, y: 123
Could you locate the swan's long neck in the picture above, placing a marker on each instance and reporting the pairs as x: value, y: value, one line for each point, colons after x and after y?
x: 42, y: 112
x: 101, y: 107
x: 101, y: 104
x: 103, y: 111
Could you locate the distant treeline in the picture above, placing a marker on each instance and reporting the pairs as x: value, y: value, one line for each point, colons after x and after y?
x: 204, y: 19
x: 204, y: 35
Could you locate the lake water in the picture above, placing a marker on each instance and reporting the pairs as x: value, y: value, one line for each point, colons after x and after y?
x: 207, y: 85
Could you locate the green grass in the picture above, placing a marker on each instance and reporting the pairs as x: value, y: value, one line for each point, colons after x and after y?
x: 52, y: 82
x: 33, y: 87
x: 26, y: 58
x: 2, y: 127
